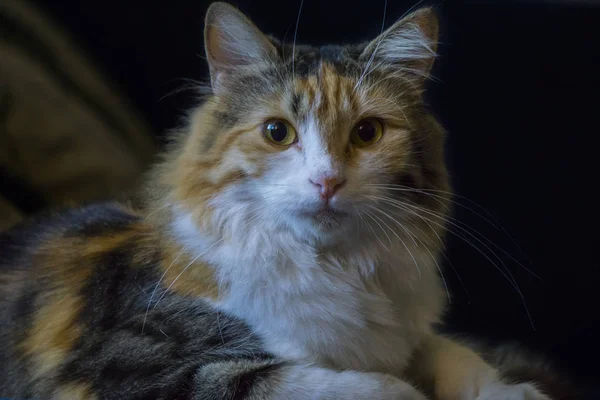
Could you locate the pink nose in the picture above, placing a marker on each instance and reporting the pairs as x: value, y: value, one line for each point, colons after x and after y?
x: 328, y: 185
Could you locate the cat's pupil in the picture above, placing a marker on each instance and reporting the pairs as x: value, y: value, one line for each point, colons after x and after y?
x: 278, y: 131
x: 366, y: 131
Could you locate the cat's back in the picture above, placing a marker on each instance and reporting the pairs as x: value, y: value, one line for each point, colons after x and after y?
x: 56, y: 247
x: 41, y: 246
x: 56, y: 272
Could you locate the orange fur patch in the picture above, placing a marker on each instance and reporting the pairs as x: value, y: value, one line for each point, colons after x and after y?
x: 195, y: 279
x: 55, y: 329
x: 67, y: 263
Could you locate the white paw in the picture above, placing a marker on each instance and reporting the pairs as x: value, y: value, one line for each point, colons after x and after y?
x: 502, y: 391
x: 394, y: 389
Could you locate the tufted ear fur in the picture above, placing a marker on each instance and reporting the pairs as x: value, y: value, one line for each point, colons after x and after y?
x: 409, y: 46
x: 232, y: 42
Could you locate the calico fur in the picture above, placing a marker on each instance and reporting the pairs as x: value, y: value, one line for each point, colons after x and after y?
x: 79, y: 285
x: 235, y: 280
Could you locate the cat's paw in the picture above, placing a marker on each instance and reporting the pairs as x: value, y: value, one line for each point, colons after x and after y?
x: 503, y: 391
x: 314, y: 383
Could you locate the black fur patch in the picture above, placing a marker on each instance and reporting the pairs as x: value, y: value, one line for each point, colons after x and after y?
x: 295, y: 106
x: 96, y: 220
x: 246, y: 381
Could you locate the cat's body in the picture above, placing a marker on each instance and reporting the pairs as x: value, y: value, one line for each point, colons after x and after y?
x: 305, y: 203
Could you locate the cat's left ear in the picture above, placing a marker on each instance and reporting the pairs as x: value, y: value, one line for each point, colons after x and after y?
x: 408, y: 46
x: 232, y: 42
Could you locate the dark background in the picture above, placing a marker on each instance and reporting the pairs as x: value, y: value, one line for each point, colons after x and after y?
x: 517, y: 88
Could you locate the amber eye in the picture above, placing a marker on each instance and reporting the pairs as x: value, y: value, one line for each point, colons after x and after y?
x: 367, y: 132
x: 279, y: 132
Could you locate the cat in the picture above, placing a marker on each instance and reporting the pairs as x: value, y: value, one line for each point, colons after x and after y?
x: 287, y: 247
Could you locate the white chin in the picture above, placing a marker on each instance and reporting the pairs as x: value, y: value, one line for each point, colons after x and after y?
x: 321, y: 224
x: 327, y: 221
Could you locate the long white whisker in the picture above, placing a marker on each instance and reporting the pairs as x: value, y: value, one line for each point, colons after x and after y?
x: 397, y: 223
x: 417, y: 215
x: 503, y: 271
x: 158, y: 284
x: 376, y: 218
x: 295, y: 36
x: 184, y: 269
x: 404, y: 244
x: 360, y: 79
x: 374, y: 234
x: 473, y: 232
x: 489, y: 218
x: 464, y: 226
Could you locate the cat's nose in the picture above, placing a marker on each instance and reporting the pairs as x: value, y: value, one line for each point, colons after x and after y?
x: 328, y: 185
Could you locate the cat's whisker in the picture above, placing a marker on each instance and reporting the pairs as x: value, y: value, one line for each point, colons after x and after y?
x: 452, y: 219
x: 502, y: 268
x: 272, y: 184
x: 203, y: 88
x: 411, y: 236
x: 185, y: 269
x: 362, y: 219
x: 417, y: 215
x: 360, y: 79
x: 426, y: 249
x: 450, y: 196
x: 295, y: 37
x: 477, y: 235
x: 274, y: 64
x: 411, y: 209
x: 375, y: 219
x: 442, y: 226
x: 401, y: 241
x: 219, y: 287
x: 438, y: 199
x: 373, y: 231
x: 409, y: 206
x: 158, y: 284
x: 489, y: 219
x: 377, y: 66
x: 440, y: 250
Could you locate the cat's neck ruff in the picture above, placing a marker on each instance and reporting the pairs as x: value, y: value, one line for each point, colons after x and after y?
x: 353, y: 303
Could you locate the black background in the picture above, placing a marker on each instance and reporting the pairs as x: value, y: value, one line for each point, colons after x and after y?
x: 517, y: 88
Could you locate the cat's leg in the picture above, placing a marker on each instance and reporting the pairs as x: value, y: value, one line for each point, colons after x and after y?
x: 286, y: 381
x: 459, y: 373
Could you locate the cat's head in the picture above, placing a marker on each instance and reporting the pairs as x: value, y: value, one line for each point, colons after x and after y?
x: 311, y: 140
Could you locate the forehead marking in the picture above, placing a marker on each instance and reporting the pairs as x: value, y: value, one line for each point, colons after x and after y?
x: 327, y: 107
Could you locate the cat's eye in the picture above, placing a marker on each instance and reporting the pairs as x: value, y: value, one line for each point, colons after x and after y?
x: 367, y: 132
x: 280, y: 132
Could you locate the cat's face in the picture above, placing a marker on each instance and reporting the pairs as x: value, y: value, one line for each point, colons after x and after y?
x: 316, y: 142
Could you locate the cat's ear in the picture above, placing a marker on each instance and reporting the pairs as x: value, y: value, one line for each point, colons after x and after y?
x: 408, y: 46
x: 232, y: 41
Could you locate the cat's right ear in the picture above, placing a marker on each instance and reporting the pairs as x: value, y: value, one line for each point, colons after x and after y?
x: 409, y: 46
x: 232, y: 42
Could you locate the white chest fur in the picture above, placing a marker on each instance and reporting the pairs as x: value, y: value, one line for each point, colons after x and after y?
x: 362, y: 307
x: 351, y: 312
